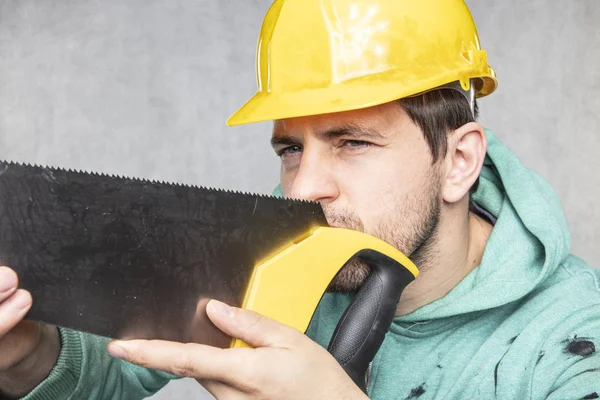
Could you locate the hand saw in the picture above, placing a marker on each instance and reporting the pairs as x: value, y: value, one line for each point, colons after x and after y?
x: 130, y: 258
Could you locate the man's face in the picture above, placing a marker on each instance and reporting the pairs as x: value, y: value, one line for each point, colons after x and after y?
x: 371, y: 170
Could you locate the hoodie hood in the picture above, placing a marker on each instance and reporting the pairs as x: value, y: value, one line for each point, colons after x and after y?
x: 528, y: 242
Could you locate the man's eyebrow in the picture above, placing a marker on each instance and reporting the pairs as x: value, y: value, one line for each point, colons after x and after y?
x: 352, y: 131
x: 349, y: 130
x: 284, y: 140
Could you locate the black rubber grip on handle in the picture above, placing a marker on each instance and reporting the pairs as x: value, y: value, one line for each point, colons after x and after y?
x: 362, y: 328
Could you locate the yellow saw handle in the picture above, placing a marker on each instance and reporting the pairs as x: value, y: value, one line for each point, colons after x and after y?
x: 289, y: 286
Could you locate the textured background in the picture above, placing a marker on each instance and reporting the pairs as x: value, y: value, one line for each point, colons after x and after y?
x: 143, y: 88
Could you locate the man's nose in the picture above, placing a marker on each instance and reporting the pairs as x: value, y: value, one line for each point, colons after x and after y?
x: 315, y: 180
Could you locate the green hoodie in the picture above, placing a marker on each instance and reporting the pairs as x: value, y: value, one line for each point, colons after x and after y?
x: 524, y: 324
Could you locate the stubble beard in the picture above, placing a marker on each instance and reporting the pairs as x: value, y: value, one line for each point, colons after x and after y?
x: 411, y: 227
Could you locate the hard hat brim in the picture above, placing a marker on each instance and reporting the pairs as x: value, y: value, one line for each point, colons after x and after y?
x: 265, y: 106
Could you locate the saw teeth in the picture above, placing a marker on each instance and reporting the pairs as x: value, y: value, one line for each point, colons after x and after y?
x: 151, y: 181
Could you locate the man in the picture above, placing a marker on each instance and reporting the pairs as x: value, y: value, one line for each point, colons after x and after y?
x: 374, y: 109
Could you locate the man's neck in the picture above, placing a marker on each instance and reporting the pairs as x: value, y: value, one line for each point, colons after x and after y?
x: 458, y: 249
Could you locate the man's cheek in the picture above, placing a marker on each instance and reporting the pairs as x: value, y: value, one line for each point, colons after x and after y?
x: 286, y: 184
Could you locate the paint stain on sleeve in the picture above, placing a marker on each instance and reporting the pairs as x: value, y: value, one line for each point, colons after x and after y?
x: 583, y: 347
x: 416, y: 392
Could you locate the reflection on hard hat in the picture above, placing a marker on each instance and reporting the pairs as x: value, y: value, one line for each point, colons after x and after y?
x: 358, y: 45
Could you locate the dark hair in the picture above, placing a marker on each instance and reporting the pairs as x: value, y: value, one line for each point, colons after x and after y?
x: 438, y: 113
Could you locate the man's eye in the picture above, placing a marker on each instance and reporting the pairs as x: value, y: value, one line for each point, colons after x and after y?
x: 355, y: 143
x: 289, y: 151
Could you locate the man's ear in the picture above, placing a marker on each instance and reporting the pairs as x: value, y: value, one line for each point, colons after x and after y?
x: 467, y: 147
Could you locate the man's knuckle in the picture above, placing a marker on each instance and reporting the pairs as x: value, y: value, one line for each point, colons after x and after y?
x: 182, y: 365
x: 255, y: 322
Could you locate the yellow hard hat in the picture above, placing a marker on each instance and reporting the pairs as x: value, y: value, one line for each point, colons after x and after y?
x: 323, y: 56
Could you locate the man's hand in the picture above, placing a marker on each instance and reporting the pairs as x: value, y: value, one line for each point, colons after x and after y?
x: 283, y: 363
x: 28, y: 350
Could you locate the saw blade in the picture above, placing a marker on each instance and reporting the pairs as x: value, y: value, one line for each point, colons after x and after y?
x: 132, y: 258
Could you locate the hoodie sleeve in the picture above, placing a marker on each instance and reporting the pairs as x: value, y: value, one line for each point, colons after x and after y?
x: 85, y: 370
x: 568, y: 367
x: 579, y: 382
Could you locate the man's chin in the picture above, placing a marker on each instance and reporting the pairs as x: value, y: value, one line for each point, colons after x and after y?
x: 354, y: 274
x: 350, y: 278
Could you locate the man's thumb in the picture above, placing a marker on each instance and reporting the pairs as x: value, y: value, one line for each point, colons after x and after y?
x: 254, y: 329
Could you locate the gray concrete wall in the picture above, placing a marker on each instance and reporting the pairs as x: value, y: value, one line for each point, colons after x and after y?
x: 143, y: 88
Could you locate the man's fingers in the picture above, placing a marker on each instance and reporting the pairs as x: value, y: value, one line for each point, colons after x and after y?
x: 13, y: 309
x: 8, y: 283
x: 185, y: 360
x: 249, y: 326
x: 14, y: 303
